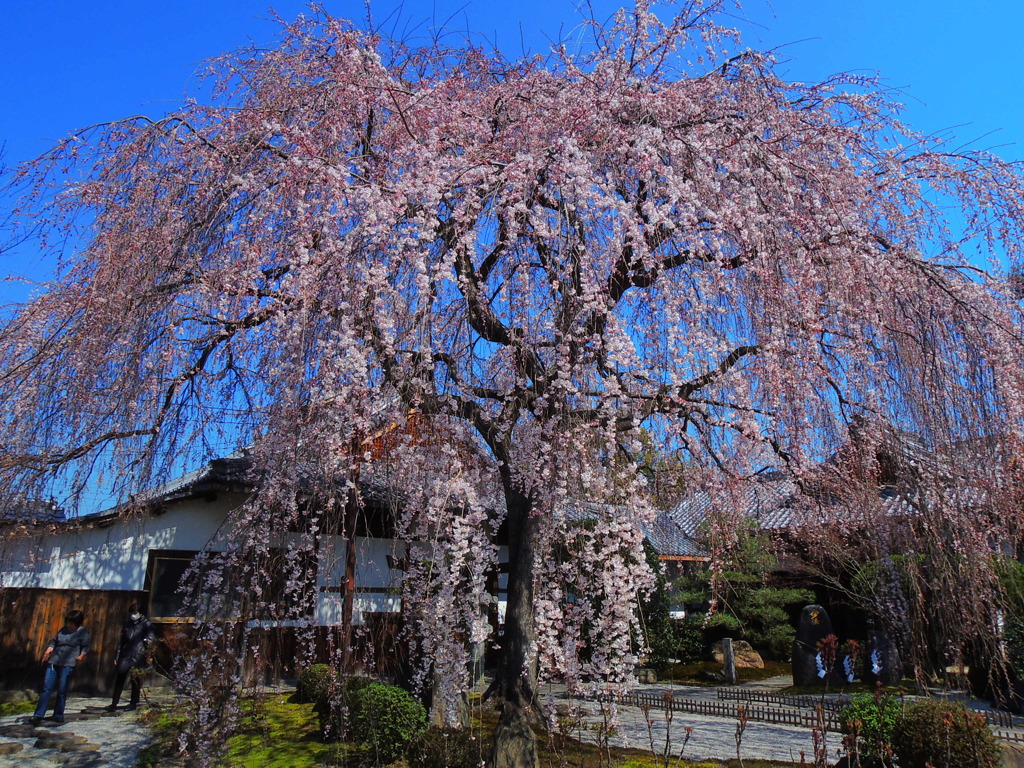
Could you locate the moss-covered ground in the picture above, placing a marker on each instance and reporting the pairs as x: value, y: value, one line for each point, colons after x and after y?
x: 16, y: 707
x: 280, y: 733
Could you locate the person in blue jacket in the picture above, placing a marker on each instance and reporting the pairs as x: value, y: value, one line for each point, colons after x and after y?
x: 67, y: 649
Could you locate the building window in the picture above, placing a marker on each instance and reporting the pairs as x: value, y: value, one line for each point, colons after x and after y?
x: 290, y: 585
x: 288, y: 580
x: 163, y: 576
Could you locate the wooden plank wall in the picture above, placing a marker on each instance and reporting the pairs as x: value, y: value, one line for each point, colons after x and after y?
x: 29, y: 618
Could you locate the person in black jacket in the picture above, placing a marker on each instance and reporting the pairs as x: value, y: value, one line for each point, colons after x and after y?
x: 67, y: 649
x: 132, y: 652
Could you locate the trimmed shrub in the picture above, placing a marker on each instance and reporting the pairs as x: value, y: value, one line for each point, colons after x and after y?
x: 869, y: 722
x: 386, y: 720
x: 333, y: 704
x: 314, y: 683
x: 445, y: 748
x: 944, y: 734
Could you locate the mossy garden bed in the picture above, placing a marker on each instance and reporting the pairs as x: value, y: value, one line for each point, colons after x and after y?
x: 701, y: 672
x: 280, y: 733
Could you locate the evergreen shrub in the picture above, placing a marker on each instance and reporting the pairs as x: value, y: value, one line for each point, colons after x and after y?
x: 944, y: 734
x: 314, y: 683
x: 385, y: 720
x: 870, y: 722
x: 333, y: 704
x: 691, y: 644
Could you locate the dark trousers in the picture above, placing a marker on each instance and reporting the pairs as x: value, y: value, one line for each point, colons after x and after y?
x: 119, y: 680
x: 56, y: 678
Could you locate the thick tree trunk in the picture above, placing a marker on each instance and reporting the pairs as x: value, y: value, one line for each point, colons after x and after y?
x: 515, y: 745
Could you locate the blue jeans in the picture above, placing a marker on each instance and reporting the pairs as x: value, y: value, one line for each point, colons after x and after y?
x: 55, y: 677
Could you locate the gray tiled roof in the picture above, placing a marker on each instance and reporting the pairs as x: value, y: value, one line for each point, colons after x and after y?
x: 769, y: 498
x: 662, y: 532
x: 22, y: 510
x: 668, y: 538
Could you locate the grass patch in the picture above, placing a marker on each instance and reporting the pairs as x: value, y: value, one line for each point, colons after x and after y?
x: 696, y: 673
x: 16, y: 708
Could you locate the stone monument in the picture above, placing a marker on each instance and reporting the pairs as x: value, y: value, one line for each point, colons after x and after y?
x: 882, y: 660
x: 814, y: 626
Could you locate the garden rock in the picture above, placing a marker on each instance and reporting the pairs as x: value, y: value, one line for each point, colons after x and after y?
x: 82, y: 746
x: 18, y: 694
x: 82, y: 760
x: 743, y: 653
x: 58, y: 740
x: 10, y: 747
x: 646, y: 676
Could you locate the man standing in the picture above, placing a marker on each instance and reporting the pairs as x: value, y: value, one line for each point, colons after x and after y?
x: 67, y: 649
x: 136, y: 637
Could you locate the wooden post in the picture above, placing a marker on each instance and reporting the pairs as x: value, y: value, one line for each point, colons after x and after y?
x: 729, y: 670
x: 349, y: 595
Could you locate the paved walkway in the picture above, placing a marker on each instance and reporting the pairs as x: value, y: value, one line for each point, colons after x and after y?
x: 91, y: 738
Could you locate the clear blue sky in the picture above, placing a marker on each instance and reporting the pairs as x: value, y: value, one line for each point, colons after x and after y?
x: 65, y: 65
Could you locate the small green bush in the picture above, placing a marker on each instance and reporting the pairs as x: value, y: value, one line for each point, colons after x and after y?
x: 870, y: 722
x: 386, y: 720
x: 334, y: 704
x: 944, y: 734
x: 690, y: 642
x: 445, y: 748
x: 314, y: 683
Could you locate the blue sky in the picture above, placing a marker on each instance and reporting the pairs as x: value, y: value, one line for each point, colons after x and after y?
x: 65, y: 65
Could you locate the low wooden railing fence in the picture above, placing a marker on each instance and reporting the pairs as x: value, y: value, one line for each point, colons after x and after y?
x: 786, y: 709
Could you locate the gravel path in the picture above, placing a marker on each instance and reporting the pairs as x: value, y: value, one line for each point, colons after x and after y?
x: 710, y: 738
x: 91, y: 738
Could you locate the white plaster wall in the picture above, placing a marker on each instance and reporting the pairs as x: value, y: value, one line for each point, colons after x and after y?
x: 372, y: 571
x: 115, y: 558
x: 112, y: 557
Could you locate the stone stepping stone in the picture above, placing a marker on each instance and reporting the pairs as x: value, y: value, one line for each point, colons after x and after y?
x: 93, y: 712
x: 10, y: 747
x: 82, y: 760
x: 21, y: 731
x: 59, y: 740
x: 80, y: 746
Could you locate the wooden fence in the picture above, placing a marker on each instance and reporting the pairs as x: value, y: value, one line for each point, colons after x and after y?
x: 803, y: 711
x: 783, y: 699
x: 765, y: 714
x: 994, y: 718
x: 29, y: 618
